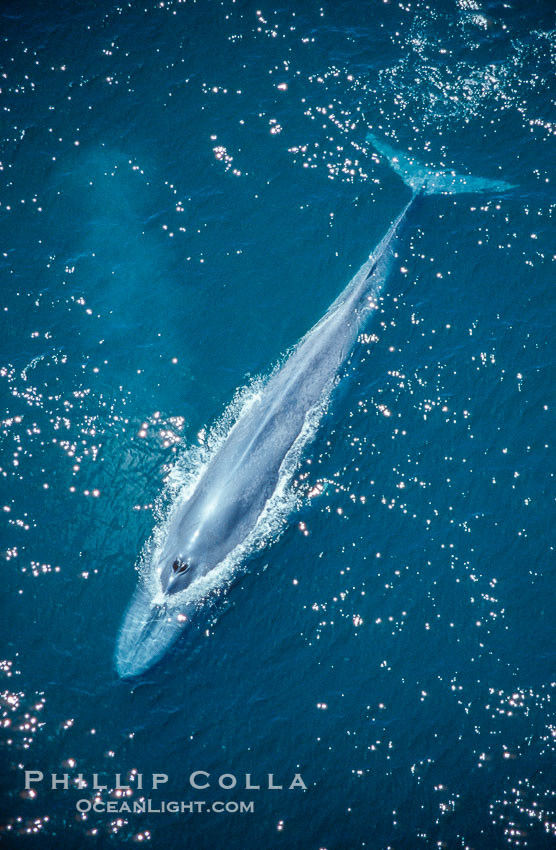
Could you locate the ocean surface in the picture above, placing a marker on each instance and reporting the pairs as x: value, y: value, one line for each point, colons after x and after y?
x: 185, y: 188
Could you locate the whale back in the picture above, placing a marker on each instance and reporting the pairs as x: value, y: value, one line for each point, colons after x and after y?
x: 242, y: 476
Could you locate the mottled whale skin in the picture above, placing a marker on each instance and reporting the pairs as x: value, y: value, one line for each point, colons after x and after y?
x: 243, y: 474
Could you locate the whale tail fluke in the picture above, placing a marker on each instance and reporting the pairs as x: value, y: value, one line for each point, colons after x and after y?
x: 432, y: 181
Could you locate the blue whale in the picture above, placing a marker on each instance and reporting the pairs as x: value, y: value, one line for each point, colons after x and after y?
x: 230, y: 495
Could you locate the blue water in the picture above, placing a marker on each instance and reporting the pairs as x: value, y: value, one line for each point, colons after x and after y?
x: 185, y: 189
